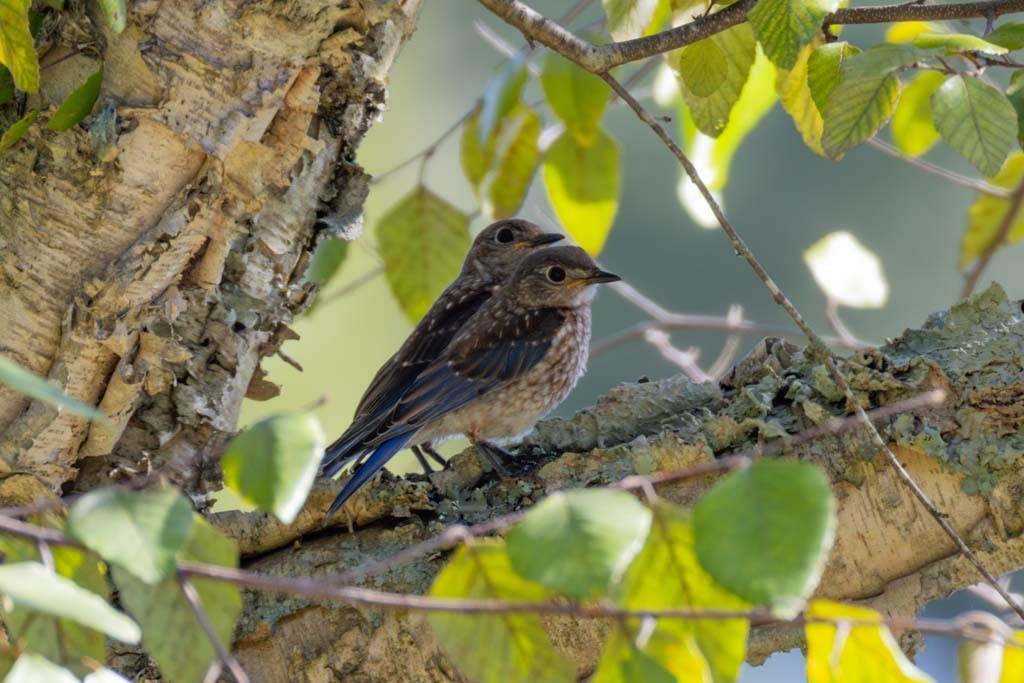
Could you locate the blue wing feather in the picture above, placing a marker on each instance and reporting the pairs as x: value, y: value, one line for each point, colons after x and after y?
x: 373, y: 465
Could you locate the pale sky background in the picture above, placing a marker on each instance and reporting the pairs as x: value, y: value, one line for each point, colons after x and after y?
x: 781, y: 198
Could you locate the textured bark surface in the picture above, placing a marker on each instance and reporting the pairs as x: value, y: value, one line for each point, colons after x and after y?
x: 889, y: 554
x: 149, y: 263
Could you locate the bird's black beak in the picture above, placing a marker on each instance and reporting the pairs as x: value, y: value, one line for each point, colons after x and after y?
x: 602, y: 276
x: 542, y: 240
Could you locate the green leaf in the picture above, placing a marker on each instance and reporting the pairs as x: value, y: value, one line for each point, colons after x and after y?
x: 976, y: 120
x: 912, y: 127
x: 78, y: 104
x: 114, y: 13
x: 495, y: 648
x: 1010, y: 35
x: 501, y: 96
x: 783, y: 27
x: 987, y: 214
x: 883, y: 59
x: 327, y: 259
x: 516, y: 160
x: 475, y: 156
x: 711, y: 114
x: 764, y: 533
x: 140, y: 531
x: 957, y: 42
x: 1015, y: 94
x: 422, y: 240
x: 579, y: 542
x: 32, y: 668
x: 583, y: 186
x: 34, y: 386
x: 17, y: 50
x: 622, y: 662
x: 702, y: 67
x: 6, y: 91
x: 272, y: 464
x: 856, y: 110
x: 856, y: 653
x: 824, y: 68
x: 58, y: 638
x: 30, y: 585
x: 628, y: 19
x: 170, y: 632
x: 576, y: 96
x: 795, y: 92
x: 667, y: 575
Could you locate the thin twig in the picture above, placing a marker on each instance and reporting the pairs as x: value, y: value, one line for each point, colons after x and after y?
x: 730, y: 348
x: 1005, y: 226
x: 836, y: 322
x: 928, y: 167
x: 685, y: 360
x: 196, y: 603
x: 363, y: 279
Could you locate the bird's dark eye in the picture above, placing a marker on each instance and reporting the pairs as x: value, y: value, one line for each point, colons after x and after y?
x: 556, y: 274
x: 505, y: 235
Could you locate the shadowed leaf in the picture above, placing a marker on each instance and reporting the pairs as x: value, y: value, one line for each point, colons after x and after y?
x: 576, y: 96
x: 711, y: 113
x: 583, y: 186
x: 327, y: 260
x: 272, y: 464
x: 764, y: 533
x: 495, y: 648
x: 1009, y: 35
x: 501, y: 97
x: 78, y: 104
x: 423, y: 240
x: 824, y: 66
x: 1015, y: 94
x: 856, y: 110
x: 703, y: 67
x: 976, y: 120
x: 516, y: 160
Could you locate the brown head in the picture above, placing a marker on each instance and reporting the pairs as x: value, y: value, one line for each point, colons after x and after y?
x: 559, y: 277
x: 501, y: 245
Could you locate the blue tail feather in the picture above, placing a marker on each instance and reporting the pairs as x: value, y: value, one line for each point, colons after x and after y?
x: 381, y: 454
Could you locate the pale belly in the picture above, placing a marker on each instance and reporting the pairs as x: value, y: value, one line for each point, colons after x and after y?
x: 514, y: 410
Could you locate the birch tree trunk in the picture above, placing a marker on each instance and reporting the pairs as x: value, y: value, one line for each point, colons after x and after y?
x: 149, y: 263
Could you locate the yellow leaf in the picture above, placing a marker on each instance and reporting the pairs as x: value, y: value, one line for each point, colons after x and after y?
x: 17, y: 50
x: 987, y: 213
x: 583, y: 186
x: 855, y: 653
x: 1013, y: 661
x: 912, y: 128
x: 797, y: 101
x: 906, y: 31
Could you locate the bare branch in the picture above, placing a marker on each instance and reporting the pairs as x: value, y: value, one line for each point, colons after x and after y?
x: 928, y: 167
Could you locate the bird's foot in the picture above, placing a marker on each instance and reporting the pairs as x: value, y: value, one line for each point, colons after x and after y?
x: 427, y: 469
x: 498, y: 458
x: 428, y: 449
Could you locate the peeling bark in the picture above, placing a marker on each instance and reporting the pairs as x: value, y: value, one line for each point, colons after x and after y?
x: 148, y: 263
x: 889, y: 554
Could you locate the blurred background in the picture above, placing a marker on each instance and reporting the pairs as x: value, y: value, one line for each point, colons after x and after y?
x: 781, y: 197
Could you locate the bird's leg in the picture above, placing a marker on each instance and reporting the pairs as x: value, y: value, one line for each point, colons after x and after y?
x: 427, y: 469
x: 428, y: 448
x: 496, y: 456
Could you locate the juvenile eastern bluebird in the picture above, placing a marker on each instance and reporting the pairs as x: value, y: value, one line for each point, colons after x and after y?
x: 489, y: 263
x: 517, y: 358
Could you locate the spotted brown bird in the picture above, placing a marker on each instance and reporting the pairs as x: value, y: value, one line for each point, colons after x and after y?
x: 488, y: 264
x: 516, y: 359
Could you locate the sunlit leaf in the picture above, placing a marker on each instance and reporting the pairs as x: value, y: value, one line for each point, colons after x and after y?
x: 578, y: 542
x: 912, y: 128
x: 327, y: 260
x: 516, y: 160
x: 629, y: 19
x: 957, y: 42
x: 702, y: 67
x: 987, y: 214
x: 905, y: 31
x: 495, y: 648
x: 783, y: 27
x: 114, y: 13
x: 667, y: 575
x: 104, y: 675
x: 1009, y: 35
x: 854, y: 653
x: 273, y: 463
x: 824, y: 67
x: 976, y: 120
x: 1013, y: 660
x: 58, y: 638
x: 847, y: 272
x: 78, y: 104
x: 583, y: 187
x: 576, y: 96
x: 17, y: 50
x: 711, y: 113
x: 140, y: 531
x: 170, y: 631
x: 34, y: 386
x: 475, y: 156
x: 422, y: 240
x: 665, y: 90
x: 33, y: 668
x: 623, y: 662
x: 30, y: 585
x: 795, y: 93
x: 764, y: 532
x: 501, y: 96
